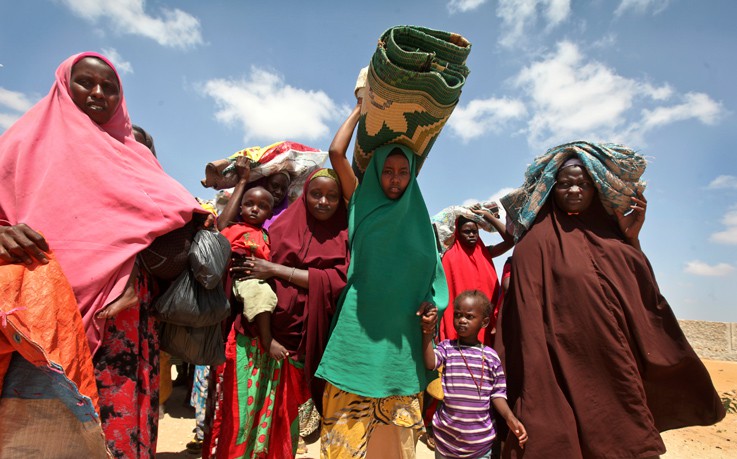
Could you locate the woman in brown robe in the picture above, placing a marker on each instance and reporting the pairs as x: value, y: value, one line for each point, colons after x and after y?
x: 596, y: 362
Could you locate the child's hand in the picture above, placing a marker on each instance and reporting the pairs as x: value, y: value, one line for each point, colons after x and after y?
x: 428, y: 313
x: 277, y: 351
x: 518, y: 429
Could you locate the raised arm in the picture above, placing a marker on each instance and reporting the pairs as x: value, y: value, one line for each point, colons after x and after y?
x: 233, y: 207
x: 631, y: 224
x: 338, y: 149
x: 508, y: 242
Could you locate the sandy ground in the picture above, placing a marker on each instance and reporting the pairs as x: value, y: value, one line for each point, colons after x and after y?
x: 712, y: 442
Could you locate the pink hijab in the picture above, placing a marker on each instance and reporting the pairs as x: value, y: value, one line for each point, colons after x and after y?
x: 98, y: 196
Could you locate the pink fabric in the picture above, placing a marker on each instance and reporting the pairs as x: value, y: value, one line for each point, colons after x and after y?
x: 98, y: 196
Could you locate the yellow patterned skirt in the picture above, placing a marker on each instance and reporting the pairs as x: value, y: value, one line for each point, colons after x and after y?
x: 355, y: 426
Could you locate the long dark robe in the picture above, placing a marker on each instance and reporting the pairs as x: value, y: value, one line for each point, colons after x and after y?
x: 596, y: 362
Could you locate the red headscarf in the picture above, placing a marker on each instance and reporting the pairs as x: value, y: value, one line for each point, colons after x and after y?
x: 97, y: 196
x: 301, y: 321
x: 468, y: 269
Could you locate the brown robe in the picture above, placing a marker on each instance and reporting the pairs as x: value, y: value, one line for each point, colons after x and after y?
x: 596, y: 362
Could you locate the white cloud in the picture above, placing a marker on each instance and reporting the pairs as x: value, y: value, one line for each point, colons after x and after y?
x: 694, y: 105
x: 572, y: 97
x: 723, y: 181
x: 13, y: 100
x: 17, y: 102
x: 173, y: 27
x: 700, y: 268
x: 482, y: 115
x: 519, y: 15
x: 729, y: 235
x: 7, y: 120
x: 461, y: 6
x: 641, y: 6
x: 121, y: 64
x: 268, y: 109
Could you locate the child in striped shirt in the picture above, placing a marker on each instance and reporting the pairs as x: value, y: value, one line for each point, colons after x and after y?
x: 472, y: 381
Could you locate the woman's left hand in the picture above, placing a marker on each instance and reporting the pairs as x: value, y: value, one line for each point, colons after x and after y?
x: 631, y: 224
x: 256, y: 268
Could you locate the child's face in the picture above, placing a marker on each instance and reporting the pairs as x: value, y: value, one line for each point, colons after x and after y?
x: 468, y: 319
x: 395, y: 176
x: 468, y: 234
x: 277, y: 185
x: 256, y: 206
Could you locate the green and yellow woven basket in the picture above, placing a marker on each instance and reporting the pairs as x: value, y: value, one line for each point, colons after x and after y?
x: 414, y: 82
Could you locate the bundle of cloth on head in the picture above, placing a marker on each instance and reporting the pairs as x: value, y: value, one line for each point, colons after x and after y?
x: 294, y: 159
x: 444, y: 222
x: 615, y: 170
x: 410, y: 89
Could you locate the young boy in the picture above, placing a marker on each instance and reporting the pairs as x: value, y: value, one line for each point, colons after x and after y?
x: 248, y: 238
x: 472, y: 380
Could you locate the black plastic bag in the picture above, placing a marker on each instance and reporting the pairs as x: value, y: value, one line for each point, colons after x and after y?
x: 196, y: 345
x: 208, y: 257
x: 186, y: 302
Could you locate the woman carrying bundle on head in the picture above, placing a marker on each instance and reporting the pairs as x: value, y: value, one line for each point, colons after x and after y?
x: 586, y: 338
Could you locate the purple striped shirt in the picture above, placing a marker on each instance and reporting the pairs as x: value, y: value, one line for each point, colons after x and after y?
x: 463, y: 425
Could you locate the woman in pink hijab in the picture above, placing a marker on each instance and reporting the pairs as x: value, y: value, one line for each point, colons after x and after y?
x: 76, y: 187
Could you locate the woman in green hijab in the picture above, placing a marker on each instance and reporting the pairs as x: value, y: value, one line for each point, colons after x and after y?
x: 373, y: 361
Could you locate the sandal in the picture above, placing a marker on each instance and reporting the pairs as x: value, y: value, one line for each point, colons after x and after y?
x: 195, y: 446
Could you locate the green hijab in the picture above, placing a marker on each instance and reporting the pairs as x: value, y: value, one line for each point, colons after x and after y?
x: 375, y: 348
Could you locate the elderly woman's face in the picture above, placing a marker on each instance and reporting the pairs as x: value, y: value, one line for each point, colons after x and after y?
x: 574, y: 190
x: 95, y: 89
x: 323, y: 197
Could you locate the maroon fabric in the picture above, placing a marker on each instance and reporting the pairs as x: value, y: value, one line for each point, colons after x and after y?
x: 596, y: 362
x: 301, y: 321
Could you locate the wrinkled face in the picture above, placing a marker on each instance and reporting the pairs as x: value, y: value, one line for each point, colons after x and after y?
x: 574, y: 190
x: 256, y: 206
x: 323, y: 197
x: 395, y: 176
x: 468, y: 234
x: 468, y: 319
x: 277, y: 185
x: 95, y: 89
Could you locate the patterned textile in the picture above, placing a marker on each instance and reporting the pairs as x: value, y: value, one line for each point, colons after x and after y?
x: 444, y: 222
x: 49, y: 396
x: 127, y: 373
x: 350, y: 419
x: 309, y: 418
x: 294, y: 158
x: 198, y: 399
x: 414, y: 82
x: 615, y: 169
x: 256, y: 417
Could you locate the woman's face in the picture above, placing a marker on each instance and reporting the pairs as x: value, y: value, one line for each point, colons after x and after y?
x: 277, y: 185
x: 468, y: 234
x: 574, y: 190
x: 395, y: 176
x: 323, y: 197
x: 95, y: 89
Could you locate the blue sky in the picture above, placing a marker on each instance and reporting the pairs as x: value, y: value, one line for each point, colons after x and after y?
x: 210, y: 78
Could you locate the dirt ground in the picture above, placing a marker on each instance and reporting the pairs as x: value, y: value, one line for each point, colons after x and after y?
x: 712, y: 442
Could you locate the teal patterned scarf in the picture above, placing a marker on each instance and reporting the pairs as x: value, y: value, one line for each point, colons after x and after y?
x: 615, y: 169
